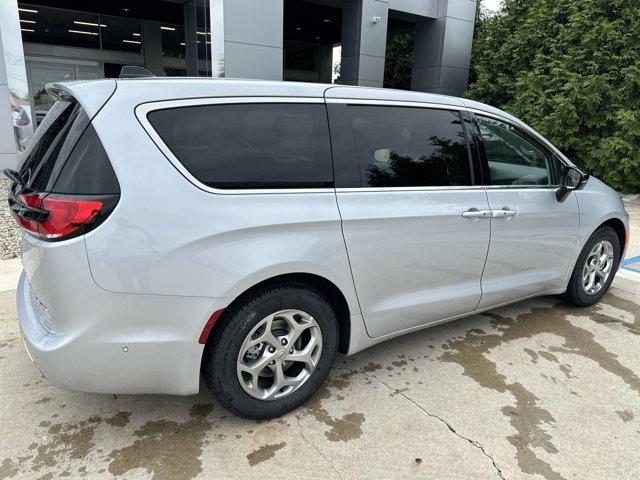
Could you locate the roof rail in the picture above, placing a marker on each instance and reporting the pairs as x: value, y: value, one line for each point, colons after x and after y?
x: 134, y: 71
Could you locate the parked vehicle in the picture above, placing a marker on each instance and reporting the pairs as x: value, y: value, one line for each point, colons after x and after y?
x: 250, y: 230
x: 21, y: 126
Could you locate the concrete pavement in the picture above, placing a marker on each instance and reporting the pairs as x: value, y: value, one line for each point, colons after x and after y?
x: 537, y: 390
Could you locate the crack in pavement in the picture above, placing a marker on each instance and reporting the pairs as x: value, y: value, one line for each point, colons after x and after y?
x: 315, y: 447
x: 475, y: 443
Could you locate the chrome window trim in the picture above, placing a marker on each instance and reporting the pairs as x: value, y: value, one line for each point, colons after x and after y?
x: 445, y: 188
x: 395, y: 103
x: 142, y: 110
x: 523, y: 187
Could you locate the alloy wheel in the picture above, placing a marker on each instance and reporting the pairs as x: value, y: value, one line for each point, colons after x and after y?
x: 279, y: 354
x: 597, y: 267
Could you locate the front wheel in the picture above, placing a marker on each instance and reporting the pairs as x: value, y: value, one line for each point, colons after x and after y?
x: 595, y: 268
x: 272, y: 352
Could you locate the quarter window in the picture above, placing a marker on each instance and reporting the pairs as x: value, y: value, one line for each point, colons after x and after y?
x: 410, y: 147
x: 252, y: 145
x: 514, y: 158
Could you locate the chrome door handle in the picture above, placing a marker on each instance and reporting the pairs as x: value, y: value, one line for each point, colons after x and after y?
x: 475, y: 213
x: 503, y: 213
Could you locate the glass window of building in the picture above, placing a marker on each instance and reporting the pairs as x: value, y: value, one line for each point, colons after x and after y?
x: 43, y: 73
x: 173, y: 44
x: 121, y: 34
x: 59, y: 27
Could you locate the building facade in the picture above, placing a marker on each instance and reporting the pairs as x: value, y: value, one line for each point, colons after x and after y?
x: 343, y: 41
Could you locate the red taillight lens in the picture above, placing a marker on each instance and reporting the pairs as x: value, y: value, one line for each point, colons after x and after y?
x: 66, y: 215
x: 24, y: 220
x: 53, y: 217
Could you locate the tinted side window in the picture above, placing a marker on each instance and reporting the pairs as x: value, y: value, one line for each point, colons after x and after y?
x: 88, y: 169
x: 514, y: 158
x: 250, y: 145
x: 52, y: 143
x: 410, y: 147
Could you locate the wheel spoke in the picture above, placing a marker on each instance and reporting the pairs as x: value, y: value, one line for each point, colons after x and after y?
x: 295, y: 382
x: 267, y: 335
x: 599, y: 249
x: 297, y: 324
x: 603, y: 272
x: 309, y: 354
x: 591, y: 279
x: 279, y: 381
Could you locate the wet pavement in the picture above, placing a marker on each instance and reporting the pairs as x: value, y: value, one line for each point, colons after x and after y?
x: 538, y: 390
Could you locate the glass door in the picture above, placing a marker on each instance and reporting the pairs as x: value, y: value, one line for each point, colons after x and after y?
x: 40, y: 73
x: 88, y: 72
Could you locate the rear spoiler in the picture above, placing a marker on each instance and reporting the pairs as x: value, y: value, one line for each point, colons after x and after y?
x: 58, y: 92
x: 92, y: 95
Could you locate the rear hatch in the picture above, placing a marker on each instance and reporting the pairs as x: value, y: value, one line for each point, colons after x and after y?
x: 64, y: 188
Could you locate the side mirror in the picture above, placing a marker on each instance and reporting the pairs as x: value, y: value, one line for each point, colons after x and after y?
x: 570, y: 180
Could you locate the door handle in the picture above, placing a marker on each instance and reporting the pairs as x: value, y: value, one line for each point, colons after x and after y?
x: 503, y: 213
x: 475, y: 213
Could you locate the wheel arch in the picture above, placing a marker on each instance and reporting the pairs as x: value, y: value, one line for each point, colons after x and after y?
x: 619, y: 227
x: 327, y: 288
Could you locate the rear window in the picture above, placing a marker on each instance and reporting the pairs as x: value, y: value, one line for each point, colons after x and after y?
x: 66, y: 155
x: 250, y: 145
x: 52, y: 143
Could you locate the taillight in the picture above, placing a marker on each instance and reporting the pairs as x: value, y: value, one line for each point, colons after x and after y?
x: 67, y: 215
x: 54, y: 217
x: 26, y: 210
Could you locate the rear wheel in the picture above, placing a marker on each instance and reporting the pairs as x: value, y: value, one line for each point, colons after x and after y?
x: 272, y: 352
x: 595, y: 268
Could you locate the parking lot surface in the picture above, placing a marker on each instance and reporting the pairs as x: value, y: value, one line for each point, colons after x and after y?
x: 538, y: 390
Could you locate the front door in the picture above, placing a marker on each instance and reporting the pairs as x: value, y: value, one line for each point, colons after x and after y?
x: 533, y: 235
x: 415, y: 258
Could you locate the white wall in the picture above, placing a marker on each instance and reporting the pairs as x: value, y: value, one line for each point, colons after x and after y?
x: 8, y: 157
x: 13, y: 83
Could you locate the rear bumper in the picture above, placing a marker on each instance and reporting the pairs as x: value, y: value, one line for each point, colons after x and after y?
x: 120, y: 344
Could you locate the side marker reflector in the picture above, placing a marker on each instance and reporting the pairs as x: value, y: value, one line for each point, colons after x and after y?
x: 209, y: 325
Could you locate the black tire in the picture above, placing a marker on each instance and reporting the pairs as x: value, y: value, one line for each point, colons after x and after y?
x: 575, y: 293
x: 222, y: 349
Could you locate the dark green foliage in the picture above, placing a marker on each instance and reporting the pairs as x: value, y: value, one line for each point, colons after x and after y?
x: 571, y: 69
x: 399, y: 61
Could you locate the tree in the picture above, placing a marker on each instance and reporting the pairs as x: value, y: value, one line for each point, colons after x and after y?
x: 399, y: 61
x: 571, y: 69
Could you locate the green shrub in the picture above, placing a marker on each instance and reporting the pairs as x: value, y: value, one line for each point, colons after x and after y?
x: 571, y: 69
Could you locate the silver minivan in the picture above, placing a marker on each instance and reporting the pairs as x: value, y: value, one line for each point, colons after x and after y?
x: 247, y: 231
